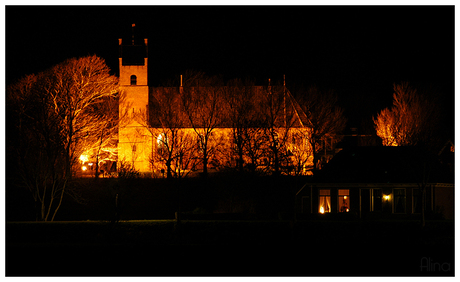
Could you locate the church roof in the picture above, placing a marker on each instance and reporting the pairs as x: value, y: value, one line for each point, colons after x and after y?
x: 264, y: 101
x: 384, y: 164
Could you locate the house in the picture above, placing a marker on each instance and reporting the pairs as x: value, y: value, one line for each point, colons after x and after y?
x: 154, y: 144
x: 380, y: 182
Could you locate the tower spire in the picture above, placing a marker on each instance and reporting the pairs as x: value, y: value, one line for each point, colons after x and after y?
x: 132, y: 33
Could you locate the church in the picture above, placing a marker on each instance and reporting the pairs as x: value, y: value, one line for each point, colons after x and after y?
x: 201, y: 127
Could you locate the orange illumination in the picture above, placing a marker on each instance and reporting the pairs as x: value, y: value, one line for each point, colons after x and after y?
x: 321, y: 210
x: 348, y: 210
x: 386, y: 197
x: 344, y: 197
x: 83, y: 158
x: 84, y: 168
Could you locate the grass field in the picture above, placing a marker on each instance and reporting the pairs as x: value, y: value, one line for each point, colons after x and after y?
x: 228, y: 247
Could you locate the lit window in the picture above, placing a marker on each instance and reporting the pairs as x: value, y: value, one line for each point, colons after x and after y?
x: 344, y: 200
x: 133, y: 80
x: 324, y: 201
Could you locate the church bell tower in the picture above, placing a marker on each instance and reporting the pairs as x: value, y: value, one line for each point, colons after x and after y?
x: 134, y: 99
x: 133, y: 65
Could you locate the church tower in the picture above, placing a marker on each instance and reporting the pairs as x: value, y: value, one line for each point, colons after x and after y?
x: 134, y: 99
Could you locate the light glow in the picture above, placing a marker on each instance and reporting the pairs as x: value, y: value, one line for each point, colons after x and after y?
x: 386, y: 197
x: 321, y: 210
x: 84, y: 158
x: 84, y: 168
x: 161, y: 139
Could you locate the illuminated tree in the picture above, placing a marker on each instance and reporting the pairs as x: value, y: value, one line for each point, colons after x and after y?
x: 413, y: 119
x: 324, y: 118
x: 57, y: 113
x: 102, y: 146
x: 76, y: 87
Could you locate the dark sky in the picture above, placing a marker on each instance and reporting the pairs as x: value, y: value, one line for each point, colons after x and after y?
x: 359, y: 52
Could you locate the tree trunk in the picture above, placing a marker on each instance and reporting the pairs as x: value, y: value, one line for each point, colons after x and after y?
x: 205, y: 158
x: 168, y: 168
x: 205, y: 166
x: 96, y: 173
x: 276, y: 162
x: 60, y: 201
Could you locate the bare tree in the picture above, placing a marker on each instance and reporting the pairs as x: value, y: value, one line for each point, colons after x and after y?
x: 102, y: 146
x: 241, y: 116
x: 300, y: 149
x: 324, y: 118
x: 172, y: 145
x: 412, y: 120
x: 276, y: 124
x: 55, y: 113
x: 201, y: 101
x: 76, y: 86
x: 37, y: 148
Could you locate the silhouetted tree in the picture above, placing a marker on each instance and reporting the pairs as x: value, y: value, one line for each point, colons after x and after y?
x: 276, y: 123
x: 172, y: 144
x: 324, y: 117
x: 37, y: 149
x: 241, y: 117
x: 202, y: 100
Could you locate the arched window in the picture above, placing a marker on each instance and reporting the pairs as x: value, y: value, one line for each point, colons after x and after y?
x: 133, y: 80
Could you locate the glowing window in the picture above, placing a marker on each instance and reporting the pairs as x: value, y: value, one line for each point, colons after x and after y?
x: 133, y: 80
x: 344, y: 200
x: 324, y: 201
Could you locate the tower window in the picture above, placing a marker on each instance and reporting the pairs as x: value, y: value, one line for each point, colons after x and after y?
x: 133, y: 80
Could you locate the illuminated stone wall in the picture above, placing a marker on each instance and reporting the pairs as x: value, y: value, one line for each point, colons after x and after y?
x: 142, y: 147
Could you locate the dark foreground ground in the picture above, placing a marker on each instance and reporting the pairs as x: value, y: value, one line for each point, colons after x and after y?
x: 239, y: 248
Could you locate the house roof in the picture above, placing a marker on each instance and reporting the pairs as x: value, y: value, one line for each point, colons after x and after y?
x: 385, y: 165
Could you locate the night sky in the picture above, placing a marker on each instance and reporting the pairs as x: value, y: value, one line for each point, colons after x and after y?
x: 359, y: 52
